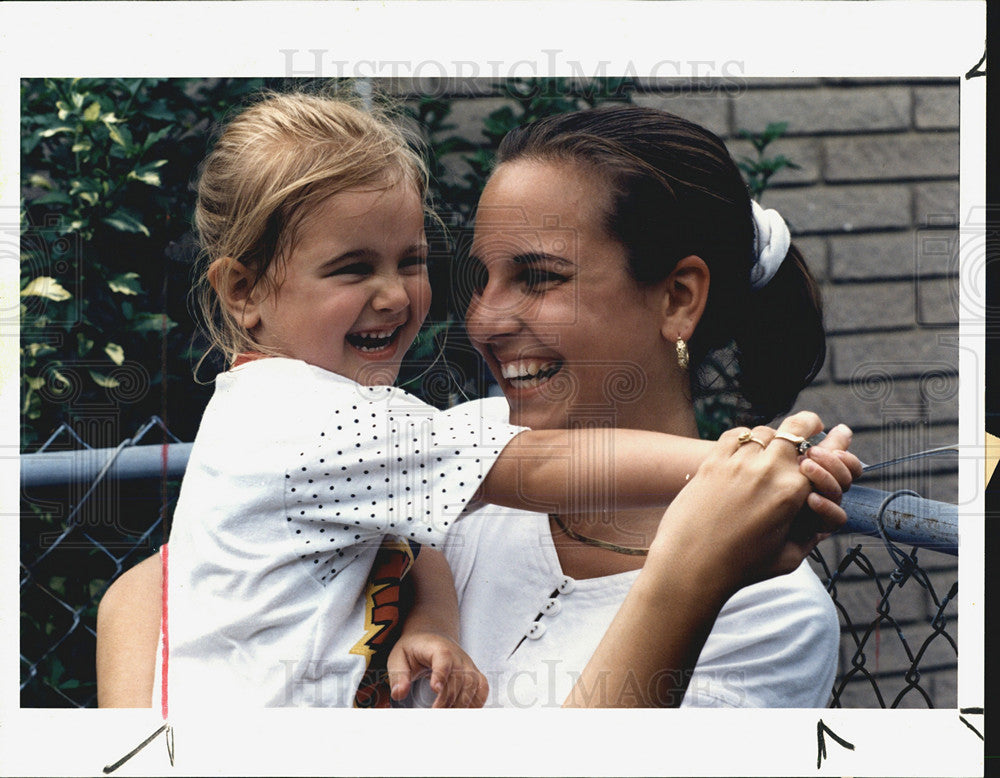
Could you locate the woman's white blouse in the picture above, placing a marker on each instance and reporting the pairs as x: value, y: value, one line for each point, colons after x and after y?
x: 531, y: 629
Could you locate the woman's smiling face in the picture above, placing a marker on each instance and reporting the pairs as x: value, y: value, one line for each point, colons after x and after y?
x: 571, y: 338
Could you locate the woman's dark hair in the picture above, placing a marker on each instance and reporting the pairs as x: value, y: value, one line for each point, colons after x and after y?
x: 675, y: 192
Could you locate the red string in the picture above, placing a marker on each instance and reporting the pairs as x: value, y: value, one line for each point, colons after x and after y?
x: 163, y: 502
x: 166, y: 635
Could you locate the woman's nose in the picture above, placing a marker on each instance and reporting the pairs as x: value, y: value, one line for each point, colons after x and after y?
x: 391, y: 294
x: 492, y: 313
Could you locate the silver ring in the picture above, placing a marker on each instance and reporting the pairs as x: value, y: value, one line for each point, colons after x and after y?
x: 800, y: 442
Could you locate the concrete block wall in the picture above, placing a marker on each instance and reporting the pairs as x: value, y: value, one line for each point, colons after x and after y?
x: 874, y: 208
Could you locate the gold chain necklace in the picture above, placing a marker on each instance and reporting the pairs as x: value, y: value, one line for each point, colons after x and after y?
x: 595, y: 542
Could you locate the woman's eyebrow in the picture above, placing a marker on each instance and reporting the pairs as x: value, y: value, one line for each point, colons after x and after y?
x: 537, y: 257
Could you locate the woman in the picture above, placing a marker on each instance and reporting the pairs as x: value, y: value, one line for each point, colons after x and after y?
x: 615, y: 249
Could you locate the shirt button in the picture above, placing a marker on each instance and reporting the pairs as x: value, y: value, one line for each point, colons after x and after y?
x: 536, y: 631
x: 567, y: 585
x: 552, y: 607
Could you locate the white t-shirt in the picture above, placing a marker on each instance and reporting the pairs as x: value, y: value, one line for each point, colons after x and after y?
x: 302, y: 498
x: 531, y: 629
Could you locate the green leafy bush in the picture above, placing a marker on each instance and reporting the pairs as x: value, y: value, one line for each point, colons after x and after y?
x: 106, y: 167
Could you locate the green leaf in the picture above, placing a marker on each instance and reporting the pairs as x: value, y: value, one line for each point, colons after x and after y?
x: 52, y: 198
x: 120, y: 135
x: 155, y: 137
x: 147, y: 174
x: 37, y: 179
x: 115, y: 352
x: 152, y: 322
x: 102, y: 380
x: 92, y: 112
x: 83, y: 144
x: 46, y: 287
x: 159, y: 111
x: 57, y: 583
x: 83, y: 344
x: 39, y: 350
x: 53, y: 131
x: 57, y: 668
x: 425, y: 342
x: 34, y: 382
x: 123, y: 221
x: 774, y: 129
x: 126, y: 283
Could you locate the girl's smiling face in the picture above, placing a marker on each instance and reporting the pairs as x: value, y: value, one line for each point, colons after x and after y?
x: 353, y: 292
x: 571, y: 338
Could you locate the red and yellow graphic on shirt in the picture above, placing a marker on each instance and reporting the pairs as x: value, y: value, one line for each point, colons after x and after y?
x: 386, y: 602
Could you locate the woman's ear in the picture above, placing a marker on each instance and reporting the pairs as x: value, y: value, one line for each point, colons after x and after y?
x: 684, y: 298
x: 234, y: 283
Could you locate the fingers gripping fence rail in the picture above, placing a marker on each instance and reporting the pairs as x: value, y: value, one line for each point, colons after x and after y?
x: 89, y: 514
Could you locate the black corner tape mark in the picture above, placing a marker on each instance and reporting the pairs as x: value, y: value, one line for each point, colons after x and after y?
x: 977, y: 70
x: 822, y: 728
x: 108, y: 769
x: 972, y: 711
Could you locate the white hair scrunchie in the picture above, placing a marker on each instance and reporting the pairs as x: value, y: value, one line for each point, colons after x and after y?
x: 771, y: 240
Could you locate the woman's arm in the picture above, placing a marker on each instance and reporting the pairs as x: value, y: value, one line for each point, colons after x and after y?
x: 731, y: 526
x: 128, y: 630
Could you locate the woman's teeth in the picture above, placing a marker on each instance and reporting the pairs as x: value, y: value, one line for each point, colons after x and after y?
x: 372, y: 341
x: 529, y: 372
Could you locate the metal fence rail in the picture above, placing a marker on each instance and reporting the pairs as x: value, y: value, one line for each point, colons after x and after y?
x: 69, y: 557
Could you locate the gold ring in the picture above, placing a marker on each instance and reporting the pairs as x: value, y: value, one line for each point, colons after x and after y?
x: 800, y: 442
x: 747, y: 437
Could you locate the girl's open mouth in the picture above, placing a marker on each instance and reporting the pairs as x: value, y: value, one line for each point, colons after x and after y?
x: 374, y: 341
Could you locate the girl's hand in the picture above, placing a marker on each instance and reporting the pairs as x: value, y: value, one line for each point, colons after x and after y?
x: 839, y: 466
x: 831, y: 469
x: 454, y: 677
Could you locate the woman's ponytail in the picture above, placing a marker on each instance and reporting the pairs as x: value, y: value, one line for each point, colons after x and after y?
x: 780, y: 342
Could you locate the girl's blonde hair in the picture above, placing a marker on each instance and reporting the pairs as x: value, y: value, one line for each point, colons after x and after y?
x: 273, y: 164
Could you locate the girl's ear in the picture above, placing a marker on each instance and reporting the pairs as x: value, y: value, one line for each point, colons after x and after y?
x: 233, y: 282
x: 684, y: 298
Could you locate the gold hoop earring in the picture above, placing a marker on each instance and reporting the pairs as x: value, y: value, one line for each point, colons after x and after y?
x: 683, y: 358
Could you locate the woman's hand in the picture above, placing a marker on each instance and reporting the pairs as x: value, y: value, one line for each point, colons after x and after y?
x: 454, y: 677
x: 729, y: 527
x: 734, y: 520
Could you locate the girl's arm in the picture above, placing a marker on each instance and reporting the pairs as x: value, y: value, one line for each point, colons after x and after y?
x: 429, y: 641
x: 573, y: 471
x: 730, y: 527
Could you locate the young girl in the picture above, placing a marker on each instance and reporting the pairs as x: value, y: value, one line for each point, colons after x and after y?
x: 311, y: 480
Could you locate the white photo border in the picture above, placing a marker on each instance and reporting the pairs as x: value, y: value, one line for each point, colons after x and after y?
x: 781, y: 39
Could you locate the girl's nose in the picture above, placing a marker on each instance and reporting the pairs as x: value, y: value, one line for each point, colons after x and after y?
x: 391, y: 295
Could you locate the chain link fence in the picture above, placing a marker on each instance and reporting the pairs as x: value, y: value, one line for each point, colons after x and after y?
x: 83, y: 524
